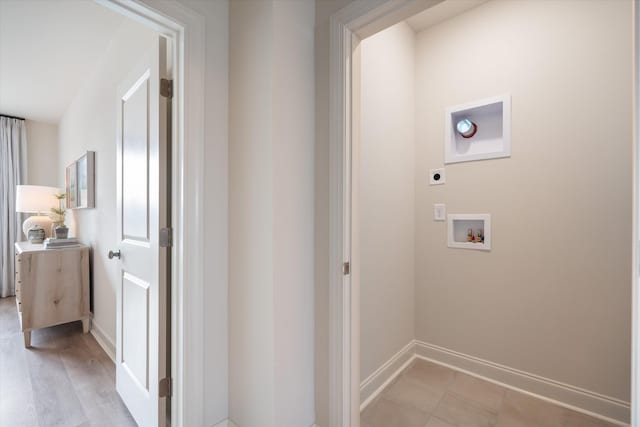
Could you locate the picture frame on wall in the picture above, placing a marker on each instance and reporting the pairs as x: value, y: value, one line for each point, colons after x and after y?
x: 81, y: 182
x: 71, y: 187
x: 85, y: 166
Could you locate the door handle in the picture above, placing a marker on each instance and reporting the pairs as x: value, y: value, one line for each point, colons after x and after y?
x: 115, y: 254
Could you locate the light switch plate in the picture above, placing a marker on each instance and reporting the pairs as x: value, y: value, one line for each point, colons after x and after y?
x: 439, y: 212
x: 436, y: 176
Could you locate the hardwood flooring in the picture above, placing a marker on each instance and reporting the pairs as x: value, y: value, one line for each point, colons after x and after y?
x: 64, y: 380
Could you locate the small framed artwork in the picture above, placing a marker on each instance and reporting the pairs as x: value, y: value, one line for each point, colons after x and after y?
x: 85, y: 166
x: 71, y: 187
x: 80, y: 180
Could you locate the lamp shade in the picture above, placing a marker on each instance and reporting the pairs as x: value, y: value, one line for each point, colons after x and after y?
x: 36, y: 198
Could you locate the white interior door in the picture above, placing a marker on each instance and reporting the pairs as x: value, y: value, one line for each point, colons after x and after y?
x: 141, y: 212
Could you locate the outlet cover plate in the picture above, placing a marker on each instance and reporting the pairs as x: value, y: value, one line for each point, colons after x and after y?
x: 437, y: 176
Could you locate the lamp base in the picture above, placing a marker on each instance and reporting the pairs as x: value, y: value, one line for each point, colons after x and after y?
x: 41, y: 220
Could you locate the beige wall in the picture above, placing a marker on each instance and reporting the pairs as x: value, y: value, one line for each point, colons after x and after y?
x: 387, y: 195
x: 553, y: 297
x: 271, y: 331
x: 42, y: 153
x: 251, y: 376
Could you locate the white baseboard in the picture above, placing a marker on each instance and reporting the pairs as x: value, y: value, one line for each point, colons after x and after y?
x: 103, y: 340
x: 229, y: 423
x: 595, y: 404
x: 578, y: 399
x: 381, y: 377
x: 225, y: 423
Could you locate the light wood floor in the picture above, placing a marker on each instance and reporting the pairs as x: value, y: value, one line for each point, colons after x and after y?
x: 66, y: 379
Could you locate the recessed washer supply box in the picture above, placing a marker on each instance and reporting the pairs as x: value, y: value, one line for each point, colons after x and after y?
x: 458, y: 226
x: 493, y: 138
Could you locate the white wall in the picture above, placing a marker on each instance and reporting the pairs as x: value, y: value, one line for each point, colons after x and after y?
x: 271, y: 213
x: 292, y: 156
x: 387, y: 195
x: 42, y: 153
x: 553, y: 296
x: 251, y: 347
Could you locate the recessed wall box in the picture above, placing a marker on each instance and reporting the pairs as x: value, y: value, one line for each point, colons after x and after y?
x: 437, y: 176
x: 469, y: 231
x: 492, y: 138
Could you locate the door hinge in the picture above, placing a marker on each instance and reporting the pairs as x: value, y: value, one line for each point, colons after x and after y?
x: 166, y: 88
x: 346, y: 269
x: 164, y: 387
x: 166, y: 237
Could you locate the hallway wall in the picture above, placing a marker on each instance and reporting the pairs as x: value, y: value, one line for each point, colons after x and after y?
x: 271, y: 346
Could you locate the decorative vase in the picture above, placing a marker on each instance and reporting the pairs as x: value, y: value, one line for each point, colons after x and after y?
x: 36, y: 234
x: 61, y: 231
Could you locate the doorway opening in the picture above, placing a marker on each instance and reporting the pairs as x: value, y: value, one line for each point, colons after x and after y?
x: 184, y: 28
x: 369, y: 190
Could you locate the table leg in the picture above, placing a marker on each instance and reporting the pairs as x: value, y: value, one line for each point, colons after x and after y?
x: 85, y: 325
x: 27, y: 339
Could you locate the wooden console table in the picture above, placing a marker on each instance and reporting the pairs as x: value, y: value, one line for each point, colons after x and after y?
x: 52, y: 286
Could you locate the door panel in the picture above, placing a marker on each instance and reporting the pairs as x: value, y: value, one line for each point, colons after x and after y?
x: 135, y: 314
x: 141, y: 212
x: 135, y: 157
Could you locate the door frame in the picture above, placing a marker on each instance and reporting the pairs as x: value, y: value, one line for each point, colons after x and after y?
x: 348, y: 27
x: 186, y: 29
x: 635, y: 292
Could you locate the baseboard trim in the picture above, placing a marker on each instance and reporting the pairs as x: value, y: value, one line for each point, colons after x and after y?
x: 381, y: 377
x: 606, y: 408
x: 228, y: 423
x: 225, y: 423
x: 103, y: 340
x: 578, y: 399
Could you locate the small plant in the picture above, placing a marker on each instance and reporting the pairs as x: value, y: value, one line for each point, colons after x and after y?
x: 57, y: 214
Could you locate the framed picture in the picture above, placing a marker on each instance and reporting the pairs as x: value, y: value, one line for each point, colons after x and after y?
x: 81, y: 182
x: 71, y: 187
x: 85, y: 166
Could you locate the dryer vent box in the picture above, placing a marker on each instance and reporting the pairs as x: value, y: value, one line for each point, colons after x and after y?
x: 492, y: 139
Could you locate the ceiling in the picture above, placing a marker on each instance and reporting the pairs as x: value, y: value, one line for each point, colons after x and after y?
x: 441, y: 12
x: 48, y: 48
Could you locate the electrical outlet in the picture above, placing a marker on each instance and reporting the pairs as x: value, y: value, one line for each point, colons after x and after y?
x: 436, y: 176
x: 439, y: 212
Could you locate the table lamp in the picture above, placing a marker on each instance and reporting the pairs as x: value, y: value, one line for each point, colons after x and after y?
x: 36, y: 199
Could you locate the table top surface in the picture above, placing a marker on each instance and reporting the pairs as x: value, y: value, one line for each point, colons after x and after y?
x: 23, y: 247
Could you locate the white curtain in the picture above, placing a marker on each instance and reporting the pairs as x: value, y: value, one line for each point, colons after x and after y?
x: 13, y: 157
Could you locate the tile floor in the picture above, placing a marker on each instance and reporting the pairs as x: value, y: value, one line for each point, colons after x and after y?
x: 430, y: 395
